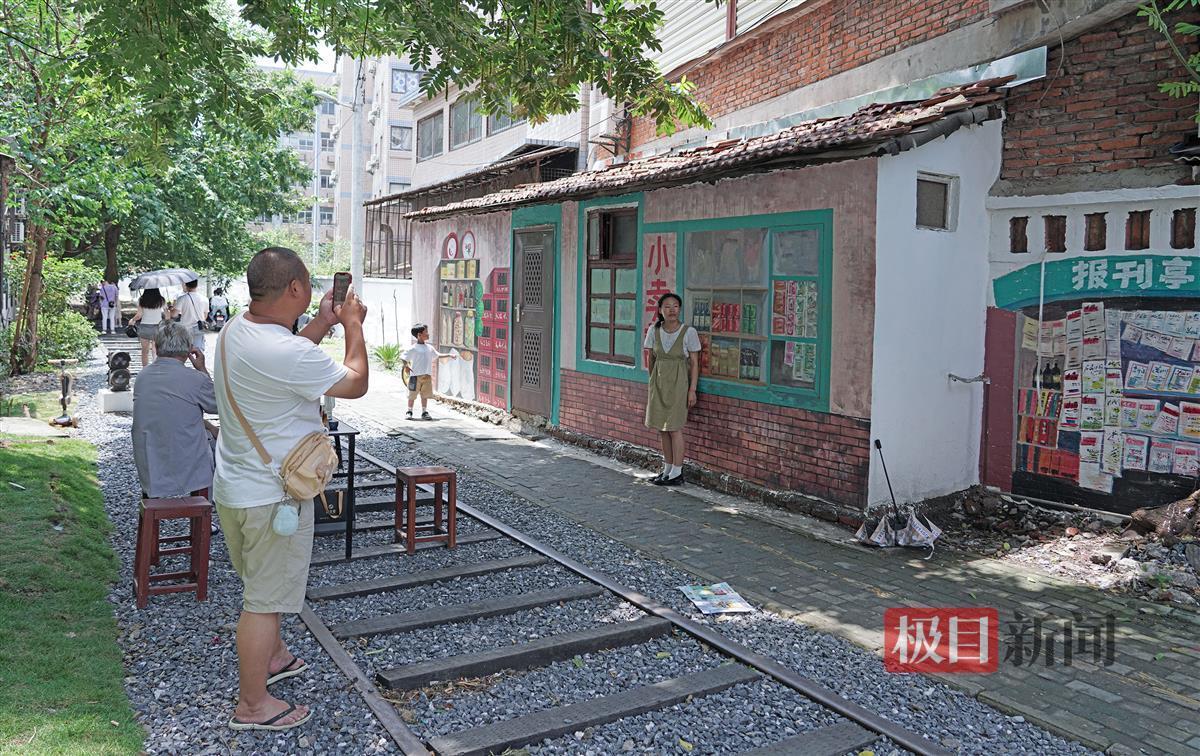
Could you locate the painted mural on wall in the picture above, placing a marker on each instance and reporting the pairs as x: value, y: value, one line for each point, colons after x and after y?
x: 659, y: 273
x: 492, y: 375
x: 460, y: 317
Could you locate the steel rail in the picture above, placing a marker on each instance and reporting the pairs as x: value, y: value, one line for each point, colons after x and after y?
x: 803, y: 685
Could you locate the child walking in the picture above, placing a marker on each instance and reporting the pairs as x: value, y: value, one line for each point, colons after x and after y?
x: 671, y: 355
x: 419, y: 361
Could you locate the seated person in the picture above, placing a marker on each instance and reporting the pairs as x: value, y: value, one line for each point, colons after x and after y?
x: 172, y: 446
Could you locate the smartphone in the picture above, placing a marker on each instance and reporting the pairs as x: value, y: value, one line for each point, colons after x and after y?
x: 341, y: 284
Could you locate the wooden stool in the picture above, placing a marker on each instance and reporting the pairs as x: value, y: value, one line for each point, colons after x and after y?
x: 407, y: 479
x: 153, y: 511
x: 158, y: 542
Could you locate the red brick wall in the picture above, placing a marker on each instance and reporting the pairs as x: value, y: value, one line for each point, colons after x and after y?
x: 1103, y: 112
x: 776, y: 447
x: 815, y: 44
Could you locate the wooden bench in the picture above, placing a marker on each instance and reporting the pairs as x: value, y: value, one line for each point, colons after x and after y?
x: 406, y: 526
x: 198, y: 511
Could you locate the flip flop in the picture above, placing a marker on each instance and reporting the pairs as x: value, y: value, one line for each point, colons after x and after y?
x: 237, y: 724
x: 290, y: 670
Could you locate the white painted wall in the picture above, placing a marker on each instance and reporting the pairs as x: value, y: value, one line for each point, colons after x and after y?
x: 931, y: 291
x: 389, y: 309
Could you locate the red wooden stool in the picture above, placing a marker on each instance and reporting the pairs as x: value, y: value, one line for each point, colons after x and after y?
x: 159, y: 542
x: 153, y: 511
x: 407, y: 479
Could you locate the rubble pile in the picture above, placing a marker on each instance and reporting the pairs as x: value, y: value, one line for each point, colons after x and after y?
x: 1156, y: 555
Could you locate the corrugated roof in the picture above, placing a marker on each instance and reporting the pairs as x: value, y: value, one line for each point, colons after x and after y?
x: 876, y: 129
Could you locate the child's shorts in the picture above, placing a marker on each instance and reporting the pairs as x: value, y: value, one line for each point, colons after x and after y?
x: 424, y: 387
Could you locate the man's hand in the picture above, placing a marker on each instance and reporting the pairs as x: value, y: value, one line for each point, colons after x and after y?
x: 350, y: 311
x: 325, y: 314
x: 196, y: 357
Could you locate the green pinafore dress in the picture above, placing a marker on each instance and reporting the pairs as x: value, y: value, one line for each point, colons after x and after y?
x: 666, y: 403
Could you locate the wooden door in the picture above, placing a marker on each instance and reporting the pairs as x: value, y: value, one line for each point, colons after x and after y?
x: 532, y: 328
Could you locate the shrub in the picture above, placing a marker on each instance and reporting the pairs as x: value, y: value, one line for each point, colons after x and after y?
x: 388, y: 355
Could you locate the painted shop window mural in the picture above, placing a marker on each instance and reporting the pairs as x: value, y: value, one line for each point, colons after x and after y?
x: 460, y: 316
x: 754, y: 294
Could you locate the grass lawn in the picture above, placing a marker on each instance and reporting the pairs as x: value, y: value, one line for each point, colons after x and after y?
x: 43, y: 404
x: 60, y: 667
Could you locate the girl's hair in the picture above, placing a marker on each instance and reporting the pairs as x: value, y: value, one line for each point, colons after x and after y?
x: 658, y: 319
x: 151, y: 299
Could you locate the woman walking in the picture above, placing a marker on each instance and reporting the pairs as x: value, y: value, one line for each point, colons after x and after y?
x: 149, y: 315
x: 671, y: 355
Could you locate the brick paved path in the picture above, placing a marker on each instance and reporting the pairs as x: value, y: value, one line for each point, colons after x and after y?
x: 804, y: 569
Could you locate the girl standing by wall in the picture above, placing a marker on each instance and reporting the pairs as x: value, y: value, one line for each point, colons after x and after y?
x: 672, y: 349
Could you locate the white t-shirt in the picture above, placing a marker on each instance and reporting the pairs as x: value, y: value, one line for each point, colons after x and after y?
x: 217, y: 302
x: 151, y: 316
x: 420, y: 358
x: 278, y: 379
x: 691, y: 340
x: 191, y: 308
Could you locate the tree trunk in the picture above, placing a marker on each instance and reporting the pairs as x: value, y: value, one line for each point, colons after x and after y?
x: 1171, y: 521
x: 23, y: 356
x: 112, y: 235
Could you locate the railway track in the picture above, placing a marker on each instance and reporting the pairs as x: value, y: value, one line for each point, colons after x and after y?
x: 395, y: 626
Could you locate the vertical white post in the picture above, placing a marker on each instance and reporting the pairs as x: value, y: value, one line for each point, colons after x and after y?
x: 316, y: 210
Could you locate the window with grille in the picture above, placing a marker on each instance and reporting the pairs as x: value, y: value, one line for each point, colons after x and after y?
x: 429, y: 136
x: 328, y: 108
x: 612, y: 286
x: 466, y: 123
x: 326, y: 179
x: 404, y: 81
x: 936, y: 202
x: 326, y: 141
x: 326, y: 216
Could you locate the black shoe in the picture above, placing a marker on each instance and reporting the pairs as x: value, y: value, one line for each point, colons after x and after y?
x: 426, y: 416
x: 408, y: 415
x: 676, y: 481
x: 656, y: 479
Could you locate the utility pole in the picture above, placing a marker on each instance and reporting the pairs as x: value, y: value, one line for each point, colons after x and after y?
x: 356, y: 221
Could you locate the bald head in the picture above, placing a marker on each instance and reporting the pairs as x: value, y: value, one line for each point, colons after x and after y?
x: 271, y: 271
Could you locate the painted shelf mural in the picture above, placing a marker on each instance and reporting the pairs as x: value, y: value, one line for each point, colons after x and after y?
x: 460, y: 316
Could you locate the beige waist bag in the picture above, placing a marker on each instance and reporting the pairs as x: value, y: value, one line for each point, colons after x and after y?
x: 307, y: 468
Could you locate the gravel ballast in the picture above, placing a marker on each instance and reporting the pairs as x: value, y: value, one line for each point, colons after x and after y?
x: 181, y: 659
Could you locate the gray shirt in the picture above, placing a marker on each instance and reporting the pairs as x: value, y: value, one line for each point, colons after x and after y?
x: 170, y: 444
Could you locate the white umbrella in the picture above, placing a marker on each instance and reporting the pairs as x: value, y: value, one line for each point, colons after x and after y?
x: 158, y: 279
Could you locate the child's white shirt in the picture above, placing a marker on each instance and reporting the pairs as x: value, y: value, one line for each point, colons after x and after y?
x: 420, y: 358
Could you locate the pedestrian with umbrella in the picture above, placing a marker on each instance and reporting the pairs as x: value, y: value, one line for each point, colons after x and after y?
x: 152, y: 306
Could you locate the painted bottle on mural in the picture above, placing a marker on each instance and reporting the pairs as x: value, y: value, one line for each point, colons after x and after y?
x: 445, y: 295
x: 1047, y: 377
x: 458, y: 329
x: 469, y: 330
x: 1056, y: 377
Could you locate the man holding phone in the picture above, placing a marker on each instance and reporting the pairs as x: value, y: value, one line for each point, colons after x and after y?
x: 276, y: 379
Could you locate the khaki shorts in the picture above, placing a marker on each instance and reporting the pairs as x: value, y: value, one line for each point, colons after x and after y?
x: 424, y: 388
x: 273, y: 568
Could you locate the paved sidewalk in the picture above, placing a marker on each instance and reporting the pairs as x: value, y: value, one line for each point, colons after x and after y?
x: 810, y: 571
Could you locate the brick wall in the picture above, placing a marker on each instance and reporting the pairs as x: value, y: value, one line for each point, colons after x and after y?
x: 815, y: 44
x: 773, y: 447
x: 1103, y: 112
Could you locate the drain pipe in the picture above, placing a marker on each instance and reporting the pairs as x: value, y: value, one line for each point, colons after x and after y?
x: 945, y: 127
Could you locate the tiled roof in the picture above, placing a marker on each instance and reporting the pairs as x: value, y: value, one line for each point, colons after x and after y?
x: 479, y: 175
x: 877, y: 129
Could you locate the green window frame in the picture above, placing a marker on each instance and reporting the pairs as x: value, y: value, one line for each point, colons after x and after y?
x: 611, y: 277
x: 793, y: 272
